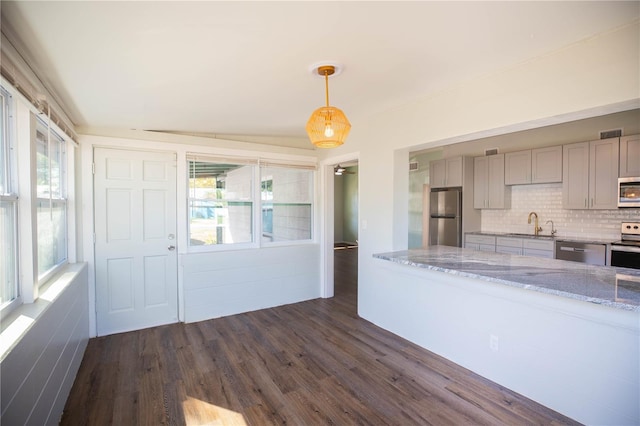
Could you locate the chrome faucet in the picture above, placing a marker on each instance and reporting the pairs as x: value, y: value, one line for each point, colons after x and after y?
x: 553, y: 230
x: 536, y: 228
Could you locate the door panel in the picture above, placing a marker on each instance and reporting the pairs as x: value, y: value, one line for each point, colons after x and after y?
x: 135, y: 222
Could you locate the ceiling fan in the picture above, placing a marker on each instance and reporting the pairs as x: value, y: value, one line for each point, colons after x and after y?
x: 338, y: 170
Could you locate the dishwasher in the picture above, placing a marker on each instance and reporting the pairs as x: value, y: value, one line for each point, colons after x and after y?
x: 594, y: 254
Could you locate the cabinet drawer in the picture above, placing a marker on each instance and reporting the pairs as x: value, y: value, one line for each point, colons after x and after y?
x: 538, y: 253
x: 480, y: 239
x: 487, y: 247
x: 539, y: 244
x: 510, y: 250
x: 509, y: 242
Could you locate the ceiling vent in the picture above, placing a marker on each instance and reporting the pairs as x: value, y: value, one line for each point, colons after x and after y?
x: 413, y: 166
x: 492, y: 151
x: 606, y: 134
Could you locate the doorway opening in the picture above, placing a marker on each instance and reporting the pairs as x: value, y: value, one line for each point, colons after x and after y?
x: 345, y: 231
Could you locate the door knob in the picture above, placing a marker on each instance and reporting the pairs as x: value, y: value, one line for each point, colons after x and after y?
x: 171, y: 248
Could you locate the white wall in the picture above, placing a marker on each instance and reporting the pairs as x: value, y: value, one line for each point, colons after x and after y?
x: 232, y: 282
x: 597, y: 76
x: 37, y: 374
x: 578, y: 358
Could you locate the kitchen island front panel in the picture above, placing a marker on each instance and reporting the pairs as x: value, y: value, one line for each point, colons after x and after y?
x: 617, y: 288
x: 514, y: 320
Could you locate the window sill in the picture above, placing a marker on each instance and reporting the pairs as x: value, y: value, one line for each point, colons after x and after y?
x: 18, y: 322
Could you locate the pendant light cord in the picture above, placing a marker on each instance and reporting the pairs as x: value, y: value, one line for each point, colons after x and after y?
x: 326, y: 85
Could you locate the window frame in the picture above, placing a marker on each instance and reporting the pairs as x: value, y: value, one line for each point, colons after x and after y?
x: 23, y: 125
x: 45, y: 129
x: 10, y: 192
x: 257, y: 164
x: 191, y: 248
x: 311, y: 203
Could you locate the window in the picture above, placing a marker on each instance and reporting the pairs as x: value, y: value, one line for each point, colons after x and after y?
x: 287, y: 203
x: 8, y: 205
x: 220, y: 203
x: 51, y: 200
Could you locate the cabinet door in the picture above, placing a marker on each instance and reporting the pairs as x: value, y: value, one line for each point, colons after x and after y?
x: 517, y: 168
x: 496, y: 189
x: 546, y: 165
x: 630, y: 156
x: 480, y: 182
x: 575, y: 175
x: 453, y: 172
x: 603, y: 173
x: 437, y: 174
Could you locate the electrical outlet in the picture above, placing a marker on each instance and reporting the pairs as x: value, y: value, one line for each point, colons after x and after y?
x: 494, y: 343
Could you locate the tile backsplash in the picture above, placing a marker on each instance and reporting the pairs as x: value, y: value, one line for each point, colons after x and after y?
x: 546, y: 201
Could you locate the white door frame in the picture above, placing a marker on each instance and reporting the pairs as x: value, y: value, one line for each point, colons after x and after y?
x: 327, y: 194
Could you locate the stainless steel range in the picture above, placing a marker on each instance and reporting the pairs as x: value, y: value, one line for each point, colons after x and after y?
x: 626, y: 252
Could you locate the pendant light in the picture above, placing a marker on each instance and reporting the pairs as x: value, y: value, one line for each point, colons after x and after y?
x: 327, y: 127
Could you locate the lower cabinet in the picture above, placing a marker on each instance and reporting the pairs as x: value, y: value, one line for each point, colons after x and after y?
x: 538, y: 248
x: 511, y: 245
x: 480, y: 242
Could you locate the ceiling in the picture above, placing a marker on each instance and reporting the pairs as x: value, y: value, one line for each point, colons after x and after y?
x: 243, y: 68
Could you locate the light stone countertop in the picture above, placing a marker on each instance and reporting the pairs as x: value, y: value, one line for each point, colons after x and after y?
x: 587, y: 240
x: 604, y: 285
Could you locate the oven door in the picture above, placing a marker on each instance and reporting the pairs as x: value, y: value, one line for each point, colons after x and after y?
x: 625, y: 256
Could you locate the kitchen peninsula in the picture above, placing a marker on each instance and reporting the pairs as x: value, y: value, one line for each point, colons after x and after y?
x: 564, y: 334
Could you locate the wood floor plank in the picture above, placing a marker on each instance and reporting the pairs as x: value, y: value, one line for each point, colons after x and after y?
x: 314, y: 362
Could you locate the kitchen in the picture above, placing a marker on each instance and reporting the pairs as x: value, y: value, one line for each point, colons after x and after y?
x: 546, y: 199
x: 492, y: 286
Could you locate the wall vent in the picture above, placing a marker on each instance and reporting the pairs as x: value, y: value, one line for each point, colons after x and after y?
x: 492, y: 151
x: 614, y: 133
x: 413, y: 166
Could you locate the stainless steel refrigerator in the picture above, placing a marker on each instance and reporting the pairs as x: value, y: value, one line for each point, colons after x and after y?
x: 445, y: 217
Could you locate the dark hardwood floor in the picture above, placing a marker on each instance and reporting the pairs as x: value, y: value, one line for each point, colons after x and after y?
x: 310, y: 363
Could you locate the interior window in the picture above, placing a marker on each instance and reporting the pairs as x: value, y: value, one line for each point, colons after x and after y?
x: 220, y: 203
x: 287, y: 204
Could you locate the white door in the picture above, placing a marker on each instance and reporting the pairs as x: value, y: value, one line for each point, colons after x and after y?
x: 135, y: 223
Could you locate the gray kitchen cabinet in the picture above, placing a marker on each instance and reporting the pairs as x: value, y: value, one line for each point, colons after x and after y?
x: 546, y: 164
x: 590, y: 174
x: 480, y: 242
x: 509, y: 245
x: 525, y: 246
x: 630, y: 156
x: 490, y: 192
x: 541, y: 165
x: 517, y: 167
x: 538, y: 248
x: 445, y: 173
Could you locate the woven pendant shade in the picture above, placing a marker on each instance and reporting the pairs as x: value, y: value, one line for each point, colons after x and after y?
x: 327, y: 127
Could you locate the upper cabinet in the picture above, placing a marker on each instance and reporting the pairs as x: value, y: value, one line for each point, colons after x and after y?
x: 517, y: 167
x: 542, y: 165
x: 630, y: 156
x: 445, y: 173
x: 490, y: 191
x: 590, y: 172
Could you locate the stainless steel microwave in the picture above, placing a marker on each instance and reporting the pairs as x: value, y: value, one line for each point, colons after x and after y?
x: 629, y: 192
